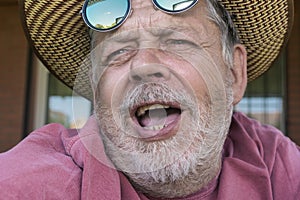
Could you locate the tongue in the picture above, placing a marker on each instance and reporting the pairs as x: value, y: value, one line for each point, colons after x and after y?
x: 158, y: 117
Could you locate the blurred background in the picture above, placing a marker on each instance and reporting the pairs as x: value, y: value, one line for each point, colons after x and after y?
x: 30, y: 97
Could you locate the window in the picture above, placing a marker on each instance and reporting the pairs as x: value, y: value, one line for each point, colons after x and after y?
x: 64, y: 107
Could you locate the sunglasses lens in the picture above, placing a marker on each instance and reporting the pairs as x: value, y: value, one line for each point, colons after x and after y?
x: 174, y: 6
x: 104, y: 15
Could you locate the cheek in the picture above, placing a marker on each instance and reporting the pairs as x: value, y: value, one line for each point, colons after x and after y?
x: 208, y: 75
x: 111, y: 87
x: 198, y: 85
x: 190, y: 76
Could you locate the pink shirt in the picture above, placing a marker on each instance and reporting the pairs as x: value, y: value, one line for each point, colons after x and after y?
x: 58, y: 163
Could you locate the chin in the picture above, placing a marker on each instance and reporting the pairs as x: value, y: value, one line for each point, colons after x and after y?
x: 175, y: 166
x: 173, y: 160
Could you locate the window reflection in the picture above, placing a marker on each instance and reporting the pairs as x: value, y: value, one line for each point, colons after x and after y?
x: 65, y: 108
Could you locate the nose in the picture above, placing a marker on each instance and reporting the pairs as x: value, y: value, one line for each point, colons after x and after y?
x: 147, y: 67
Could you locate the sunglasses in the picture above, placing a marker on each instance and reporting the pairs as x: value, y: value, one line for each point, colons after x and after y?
x: 107, y: 15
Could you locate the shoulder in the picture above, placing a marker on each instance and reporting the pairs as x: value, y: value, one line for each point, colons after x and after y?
x: 40, y: 163
x: 266, y: 140
x: 265, y: 148
x: 47, y: 140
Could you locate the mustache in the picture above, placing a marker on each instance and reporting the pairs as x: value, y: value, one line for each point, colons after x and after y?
x: 148, y: 93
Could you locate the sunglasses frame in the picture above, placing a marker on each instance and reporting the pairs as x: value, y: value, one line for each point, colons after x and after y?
x: 127, y: 14
x: 156, y: 4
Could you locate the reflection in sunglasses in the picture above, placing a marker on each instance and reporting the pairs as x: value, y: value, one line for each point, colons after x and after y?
x: 106, y: 15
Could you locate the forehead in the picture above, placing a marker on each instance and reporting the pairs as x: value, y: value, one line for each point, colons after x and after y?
x: 144, y: 15
x: 141, y: 3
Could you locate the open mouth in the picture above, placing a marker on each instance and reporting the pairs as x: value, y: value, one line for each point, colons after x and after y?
x: 156, y: 119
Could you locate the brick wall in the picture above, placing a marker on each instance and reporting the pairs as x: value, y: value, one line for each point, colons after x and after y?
x: 293, y: 79
x: 13, y: 52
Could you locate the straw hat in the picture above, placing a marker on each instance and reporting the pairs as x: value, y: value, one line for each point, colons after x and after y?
x: 60, y: 38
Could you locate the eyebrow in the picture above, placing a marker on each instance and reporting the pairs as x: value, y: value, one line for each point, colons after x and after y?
x: 169, y: 30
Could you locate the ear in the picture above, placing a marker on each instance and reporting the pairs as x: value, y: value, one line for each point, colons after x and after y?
x: 239, y: 72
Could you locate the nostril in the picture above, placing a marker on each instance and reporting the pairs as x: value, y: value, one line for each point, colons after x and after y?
x: 149, y: 72
x: 136, y: 78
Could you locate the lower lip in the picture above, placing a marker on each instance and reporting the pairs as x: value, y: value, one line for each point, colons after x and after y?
x: 149, y: 135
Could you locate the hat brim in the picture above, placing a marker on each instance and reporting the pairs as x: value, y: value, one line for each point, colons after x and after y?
x: 60, y: 39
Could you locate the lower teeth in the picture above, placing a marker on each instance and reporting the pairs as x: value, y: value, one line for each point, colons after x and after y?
x: 154, y: 128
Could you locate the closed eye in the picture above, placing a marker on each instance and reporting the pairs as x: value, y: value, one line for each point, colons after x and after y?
x: 180, y: 42
x: 116, y: 53
x: 120, y: 56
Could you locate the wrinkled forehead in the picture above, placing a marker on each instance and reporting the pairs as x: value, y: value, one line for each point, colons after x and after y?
x: 145, y: 16
x: 136, y: 4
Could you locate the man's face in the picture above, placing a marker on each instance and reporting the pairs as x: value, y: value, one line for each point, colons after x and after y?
x: 162, y: 98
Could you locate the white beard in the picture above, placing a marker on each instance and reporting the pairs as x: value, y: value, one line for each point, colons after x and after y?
x: 174, y: 167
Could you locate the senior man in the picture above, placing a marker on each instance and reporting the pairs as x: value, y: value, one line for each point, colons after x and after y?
x: 164, y: 77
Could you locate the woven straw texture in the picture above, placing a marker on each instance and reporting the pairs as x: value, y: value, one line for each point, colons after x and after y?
x: 263, y: 27
x: 60, y: 38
